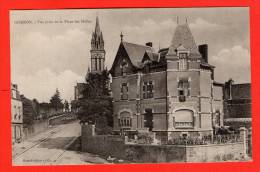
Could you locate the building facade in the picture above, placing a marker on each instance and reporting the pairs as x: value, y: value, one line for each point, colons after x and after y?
x: 237, y: 104
x: 17, y: 115
x: 171, y: 92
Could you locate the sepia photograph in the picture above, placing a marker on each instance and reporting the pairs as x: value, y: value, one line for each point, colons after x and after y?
x: 130, y: 85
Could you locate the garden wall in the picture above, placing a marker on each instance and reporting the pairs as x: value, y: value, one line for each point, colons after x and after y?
x: 109, y: 145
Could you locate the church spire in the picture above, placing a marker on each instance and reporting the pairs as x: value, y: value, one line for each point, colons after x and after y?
x: 97, y: 49
x: 97, y: 41
x: 97, y: 28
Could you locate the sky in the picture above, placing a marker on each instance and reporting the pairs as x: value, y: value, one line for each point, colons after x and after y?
x: 50, y: 49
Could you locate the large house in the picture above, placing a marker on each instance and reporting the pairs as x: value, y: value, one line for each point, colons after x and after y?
x: 17, y: 115
x: 171, y: 92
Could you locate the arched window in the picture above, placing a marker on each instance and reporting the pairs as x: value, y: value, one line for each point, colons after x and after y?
x: 183, y: 118
x: 125, y: 119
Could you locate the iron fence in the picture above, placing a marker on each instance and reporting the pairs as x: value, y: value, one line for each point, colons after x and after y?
x: 216, y: 139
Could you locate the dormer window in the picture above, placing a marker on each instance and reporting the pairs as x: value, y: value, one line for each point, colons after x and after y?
x: 123, y: 67
x: 183, y: 64
x: 182, y: 53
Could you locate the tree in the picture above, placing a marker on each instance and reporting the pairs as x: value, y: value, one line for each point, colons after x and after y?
x: 56, y: 101
x: 66, y: 106
x: 36, y: 108
x: 96, y: 105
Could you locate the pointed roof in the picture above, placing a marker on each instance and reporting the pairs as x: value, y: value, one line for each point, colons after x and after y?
x: 136, y: 52
x: 97, y: 27
x: 97, y: 41
x: 183, y: 37
x: 97, y: 34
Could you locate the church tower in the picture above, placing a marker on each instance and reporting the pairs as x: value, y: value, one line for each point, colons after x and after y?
x: 97, y: 50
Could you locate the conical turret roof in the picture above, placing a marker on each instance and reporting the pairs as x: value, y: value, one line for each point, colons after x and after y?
x: 183, y: 37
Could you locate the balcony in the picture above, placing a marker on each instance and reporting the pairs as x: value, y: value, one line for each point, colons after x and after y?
x: 182, y: 98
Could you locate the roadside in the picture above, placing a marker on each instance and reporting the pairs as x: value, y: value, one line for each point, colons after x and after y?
x: 57, y: 146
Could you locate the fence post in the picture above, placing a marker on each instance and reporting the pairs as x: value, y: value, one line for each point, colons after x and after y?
x: 126, y: 139
x: 93, y: 132
x: 243, y: 136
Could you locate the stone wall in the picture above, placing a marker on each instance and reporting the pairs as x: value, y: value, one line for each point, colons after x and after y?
x: 62, y: 119
x: 36, y: 127
x: 101, y: 144
x: 108, y: 145
x: 214, y: 152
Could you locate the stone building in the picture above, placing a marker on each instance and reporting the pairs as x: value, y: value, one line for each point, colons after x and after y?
x: 171, y: 92
x: 237, y: 104
x: 17, y: 115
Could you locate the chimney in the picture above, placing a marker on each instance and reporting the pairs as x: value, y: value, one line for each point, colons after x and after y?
x: 203, y: 49
x: 149, y: 44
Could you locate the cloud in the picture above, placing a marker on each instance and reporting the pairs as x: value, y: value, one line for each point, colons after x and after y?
x: 201, y: 24
x: 162, y: 32
x: 151, y: 31
x: 232, y: 63
x: 42, y: 84
x: 36, y: 51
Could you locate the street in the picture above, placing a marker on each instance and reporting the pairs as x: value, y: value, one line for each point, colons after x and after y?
x: 55, y: 146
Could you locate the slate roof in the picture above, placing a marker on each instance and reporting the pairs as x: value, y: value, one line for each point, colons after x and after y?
x: 182, y: 36
x: 136, y: 52
x: 153, y: 56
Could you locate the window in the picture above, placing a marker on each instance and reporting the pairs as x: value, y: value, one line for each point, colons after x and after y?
x: 183, y: 55
x: 100, y: 64
x: 183, y: 89
x: 124, y: 68
x: 148, y: 119
x: 95, y: 63
x: 216, y: 118
x: 125, y: 119
x: 183, y: 119
x: 183, y: 64
x: 148, y: 89
x: 124, y: 91
x: 125, y: 122
x: 15, y: 110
